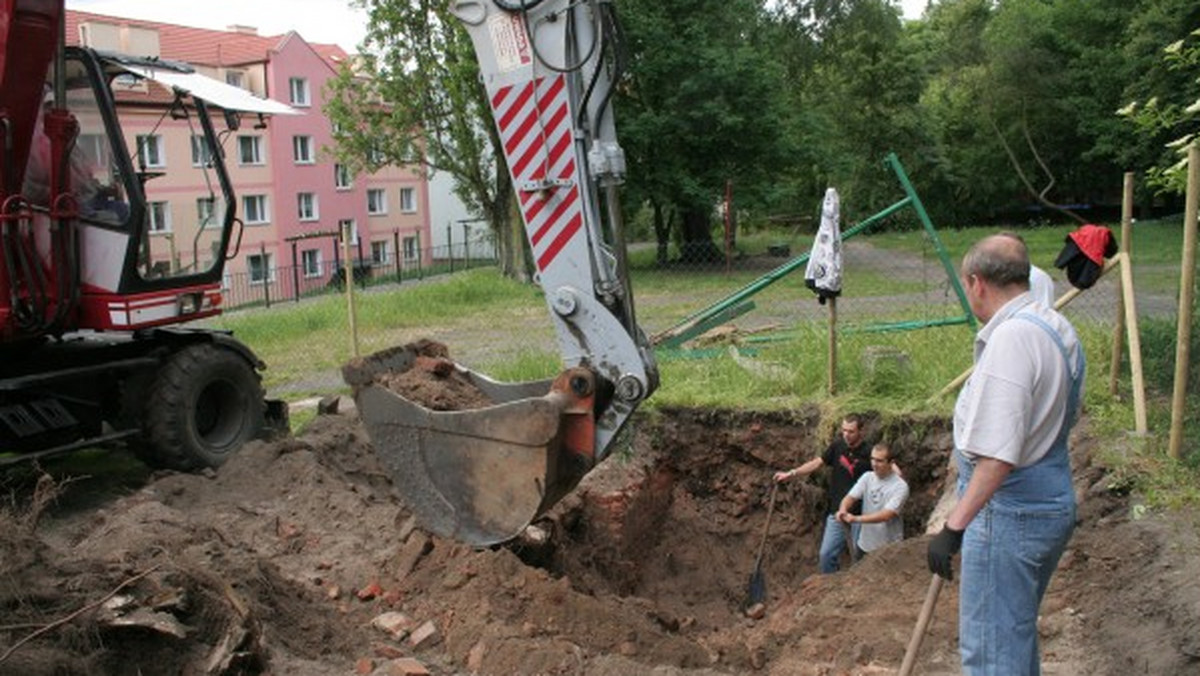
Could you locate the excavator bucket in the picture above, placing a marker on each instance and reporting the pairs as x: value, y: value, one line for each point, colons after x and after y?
x: 478, y: 475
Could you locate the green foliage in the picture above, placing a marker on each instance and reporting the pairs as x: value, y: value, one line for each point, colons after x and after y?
x: 1170, y: 112
x: 413, y: 96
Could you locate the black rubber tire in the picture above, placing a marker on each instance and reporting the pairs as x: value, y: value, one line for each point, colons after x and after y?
x: 205, y: 402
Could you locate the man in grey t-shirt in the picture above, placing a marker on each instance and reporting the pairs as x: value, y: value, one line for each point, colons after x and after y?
x: 883, y: 493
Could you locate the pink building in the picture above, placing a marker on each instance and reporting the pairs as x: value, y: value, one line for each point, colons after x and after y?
x: 293, y: 198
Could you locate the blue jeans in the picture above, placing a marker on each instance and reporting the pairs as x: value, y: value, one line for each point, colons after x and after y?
x: 1008, y: 556
x: 833, y: 543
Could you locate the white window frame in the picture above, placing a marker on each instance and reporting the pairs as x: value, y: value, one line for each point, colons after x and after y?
x: 262, y: 208
x: 158, y: 216
x: 201, y: 151
x: 235, y: 78
x: 313, y: 212
x: 255, y: 149
x: 269, y: 264
x: 151, y: 151
x: 411, y: 251
x: 298, y: 92
x: 302, y: 143
x: 342, y: 180
x: 310, y: 263
x: 376, y: 202
x: 408, y: 200
x: 381, y: 252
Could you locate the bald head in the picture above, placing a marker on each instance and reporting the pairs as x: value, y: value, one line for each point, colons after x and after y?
x: 1001, y: 260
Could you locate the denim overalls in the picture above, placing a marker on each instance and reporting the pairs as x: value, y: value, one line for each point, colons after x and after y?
x: 1012, y: 547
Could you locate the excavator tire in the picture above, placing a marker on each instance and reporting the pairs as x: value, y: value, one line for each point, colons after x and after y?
x: 204, y: 404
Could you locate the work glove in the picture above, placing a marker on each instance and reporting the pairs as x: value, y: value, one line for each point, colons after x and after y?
x: 942, y: 549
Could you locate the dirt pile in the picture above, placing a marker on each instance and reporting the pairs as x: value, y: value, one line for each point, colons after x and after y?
x: 296, y: 558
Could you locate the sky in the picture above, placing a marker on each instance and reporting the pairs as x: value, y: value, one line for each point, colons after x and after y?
x: 321, y: 21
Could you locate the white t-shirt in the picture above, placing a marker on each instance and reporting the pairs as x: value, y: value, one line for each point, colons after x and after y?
x: 1015, y: 401
x: 1041, y: 286
x: 877, y: 495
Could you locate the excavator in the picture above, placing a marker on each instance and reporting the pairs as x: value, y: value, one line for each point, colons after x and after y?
x: 92, y: 348
x: 483, y: 475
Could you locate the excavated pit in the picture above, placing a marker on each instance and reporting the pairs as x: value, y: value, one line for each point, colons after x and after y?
x: 678, y: 521
x: 297, y: 558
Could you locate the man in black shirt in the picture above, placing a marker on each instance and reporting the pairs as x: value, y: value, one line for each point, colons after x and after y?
x: 848, y: 458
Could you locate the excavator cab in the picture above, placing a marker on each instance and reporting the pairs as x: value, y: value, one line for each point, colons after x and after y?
x: 480, y: 473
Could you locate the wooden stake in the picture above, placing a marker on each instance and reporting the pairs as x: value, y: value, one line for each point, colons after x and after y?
x: 349, y: 272
x: 832, y: 345
x: 1187, y: 281
x: 1114, y: 368
x: 1134, y: 339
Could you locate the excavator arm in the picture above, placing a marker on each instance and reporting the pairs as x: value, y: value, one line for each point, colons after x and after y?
x: 482, y: 475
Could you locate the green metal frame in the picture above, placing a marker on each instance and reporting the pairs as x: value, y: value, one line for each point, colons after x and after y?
x: 737, y: 303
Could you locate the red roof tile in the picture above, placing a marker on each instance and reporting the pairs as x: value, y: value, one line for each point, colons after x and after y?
x: 203, y: 46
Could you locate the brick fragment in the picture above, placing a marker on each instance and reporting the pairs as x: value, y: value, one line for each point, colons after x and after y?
x: 407, y: 666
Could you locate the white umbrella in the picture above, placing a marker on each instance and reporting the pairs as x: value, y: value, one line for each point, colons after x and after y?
x: 824, y: 271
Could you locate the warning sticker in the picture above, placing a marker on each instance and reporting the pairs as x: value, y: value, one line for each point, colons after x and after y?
x: 510, y: 41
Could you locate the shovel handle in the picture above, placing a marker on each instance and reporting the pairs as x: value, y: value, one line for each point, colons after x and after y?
x: 767, y: 526
x: 918, y: 635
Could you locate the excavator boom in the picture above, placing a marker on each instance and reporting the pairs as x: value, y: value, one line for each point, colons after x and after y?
x: 482, y: 475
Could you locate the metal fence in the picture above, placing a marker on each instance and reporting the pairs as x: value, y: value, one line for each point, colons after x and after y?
x: 294, y: 282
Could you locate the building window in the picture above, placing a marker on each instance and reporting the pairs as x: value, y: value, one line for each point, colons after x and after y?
x: 299, y: 91
x: 376, y: 201
x: 255, y: 209
x: 250, y: 150
x: 205, y: 206
x: 306, y: 206
x: 408, y: 200
x: 260, y: 268
x: 341, y: 177
x: 376, y: 157
x: 235, y: 78
x: 379, y: 253
x: 150, y: 151
x: 302, y: 149
x: 410, y: 249
x: 310, y: 262
x: 95, y: 148
x: 201, y: 152
x: 160, y: 216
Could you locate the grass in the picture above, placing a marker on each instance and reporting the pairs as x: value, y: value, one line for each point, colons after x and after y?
x: 786, y: 370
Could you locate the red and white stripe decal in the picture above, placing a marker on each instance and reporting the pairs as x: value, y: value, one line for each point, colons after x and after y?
x: 535, y: 128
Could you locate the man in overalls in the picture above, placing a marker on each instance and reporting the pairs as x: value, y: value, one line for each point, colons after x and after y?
x: 1016, y: 506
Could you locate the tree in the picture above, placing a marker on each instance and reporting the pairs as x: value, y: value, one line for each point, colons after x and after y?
x: 701, y: 107
x: 1164, y: 97
x: 414, y: 97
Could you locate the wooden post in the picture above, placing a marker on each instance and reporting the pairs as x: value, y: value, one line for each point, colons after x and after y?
x: 1135, y: 344
x: 832, y: 345
x: 348, y: 269
x: 1187, y: 280
x: 1114, y: 368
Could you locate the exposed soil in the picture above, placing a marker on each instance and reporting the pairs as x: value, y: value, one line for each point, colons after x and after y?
x: 296, y: 557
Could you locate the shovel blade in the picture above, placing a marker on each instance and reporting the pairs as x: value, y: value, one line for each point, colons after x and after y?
x: 756, y: 590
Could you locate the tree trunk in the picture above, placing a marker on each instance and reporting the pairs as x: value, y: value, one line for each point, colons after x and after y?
x: 698, y: 247
x: 662, y: 235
